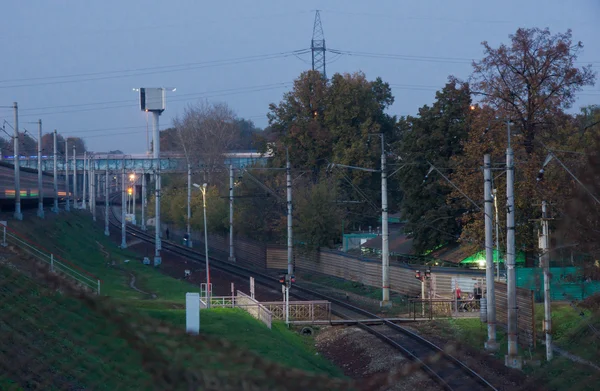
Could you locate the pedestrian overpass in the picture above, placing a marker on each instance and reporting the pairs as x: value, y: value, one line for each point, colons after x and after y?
x: 141, y: 163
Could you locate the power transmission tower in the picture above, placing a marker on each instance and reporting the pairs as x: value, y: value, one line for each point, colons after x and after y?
x: 317, y: 46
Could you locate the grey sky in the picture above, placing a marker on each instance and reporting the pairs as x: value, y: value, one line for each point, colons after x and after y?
x: 43, y: 39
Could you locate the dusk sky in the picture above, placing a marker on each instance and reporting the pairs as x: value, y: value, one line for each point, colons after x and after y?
x: 74, y: 63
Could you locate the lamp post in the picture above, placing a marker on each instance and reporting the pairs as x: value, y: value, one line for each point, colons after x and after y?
x: 133, y: 180
x: 208, y: 290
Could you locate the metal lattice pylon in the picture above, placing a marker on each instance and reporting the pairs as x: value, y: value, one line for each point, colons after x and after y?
x: 317, y: 46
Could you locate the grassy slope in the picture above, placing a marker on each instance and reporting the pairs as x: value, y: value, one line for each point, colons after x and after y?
x: 76, y: 239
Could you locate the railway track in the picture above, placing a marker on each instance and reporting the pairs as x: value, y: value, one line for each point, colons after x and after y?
x: 445, y: 369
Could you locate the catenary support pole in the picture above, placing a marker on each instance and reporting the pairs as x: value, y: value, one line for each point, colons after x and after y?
x: 491, y: 344
x: 497, y: 235
x: 106, y: 200
x: 75, y: 204
x: 123, y: 206
x: 143, y: 201
x: 133, y: 196
x: 231, y: 247
x: 290, y: 253
x: 68, y: 190
x: 94, y: 188
x: 84, y: 189
x: 55, y: 183
x: 207, y: 260
x: 545, y: 263
x: 40, y: 211
x: 156, y: 151
x: 385, y: 238
x: 189, y: 205
x: 512, y: 359
x: 18, y: 215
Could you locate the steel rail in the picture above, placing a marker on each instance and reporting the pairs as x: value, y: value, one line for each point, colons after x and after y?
x: 270, y: 282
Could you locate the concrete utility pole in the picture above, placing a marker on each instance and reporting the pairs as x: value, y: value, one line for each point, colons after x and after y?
x: 491, y: 344
x: 84, y: 190
x: 512, y: 359
x: 144, y: 201
x: 68, y: 195
x: 40, y: 211
x: 94, y: 189
x: 545, y: 263
x: 156, y: 151
x: 231, y: 248
x: 385, y: 245
x: 106, y: 201
x: 123, y: 207
x: 74, y: 178
x: 18, y: 215
x: 290, y: 248
x: 497, y: 235
x: 189, y: 205
x: 55, y: 206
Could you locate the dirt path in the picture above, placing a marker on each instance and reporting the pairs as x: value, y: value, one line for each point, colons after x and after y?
x: 131, y: 275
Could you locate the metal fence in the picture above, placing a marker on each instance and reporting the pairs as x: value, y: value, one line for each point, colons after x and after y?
x: 301, y: 310
x: 444, y: 308
x: 55, y: 263
x: 566, y: 283
x: 254, y: 308
x: 58, y: 336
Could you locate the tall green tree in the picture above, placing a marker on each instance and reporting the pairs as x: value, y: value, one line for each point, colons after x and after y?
x: 318, y: 218
x: 337, y: 122
x: 432, y: 137
x: 297, y: 125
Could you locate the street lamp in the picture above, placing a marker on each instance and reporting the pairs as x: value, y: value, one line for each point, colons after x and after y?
x: 208, y: 290
x: 133, y: 179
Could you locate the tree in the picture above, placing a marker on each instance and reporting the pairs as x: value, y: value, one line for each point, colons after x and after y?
x: 532, y: 80
x: 27, y: 145
x: 318, y: 218
x: 170, y: 140
x: 321, y: 123
x: 580, y: 221
x: 434, y: 136
x: 297, y: 123
x: 206, y: 131
x: 247, y: 135
x: 78, y: 143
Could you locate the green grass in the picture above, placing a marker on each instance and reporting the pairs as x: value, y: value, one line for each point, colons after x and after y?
x: 571, y: 329
x: 86, y: 342
x: 238, y: 327
x: 559, y: 374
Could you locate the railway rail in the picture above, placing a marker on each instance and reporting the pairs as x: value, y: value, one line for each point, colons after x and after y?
x: 445, y: 369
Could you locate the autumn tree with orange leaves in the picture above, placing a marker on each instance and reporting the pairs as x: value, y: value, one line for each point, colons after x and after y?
x: 530, y: 82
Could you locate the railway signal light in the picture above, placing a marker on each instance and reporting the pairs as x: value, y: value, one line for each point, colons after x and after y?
x: 282, y: 279
x: 130, y: 191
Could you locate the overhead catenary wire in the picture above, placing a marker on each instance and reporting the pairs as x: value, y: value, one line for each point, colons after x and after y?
x: 146, y: 71
x: 180, y: 98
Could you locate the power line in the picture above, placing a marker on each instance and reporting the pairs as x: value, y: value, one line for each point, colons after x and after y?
x: 179, y: 98
x: 404, y: 57
x: 149, y: 70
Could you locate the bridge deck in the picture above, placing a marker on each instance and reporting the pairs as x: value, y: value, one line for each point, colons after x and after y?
x: 138, y: 163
